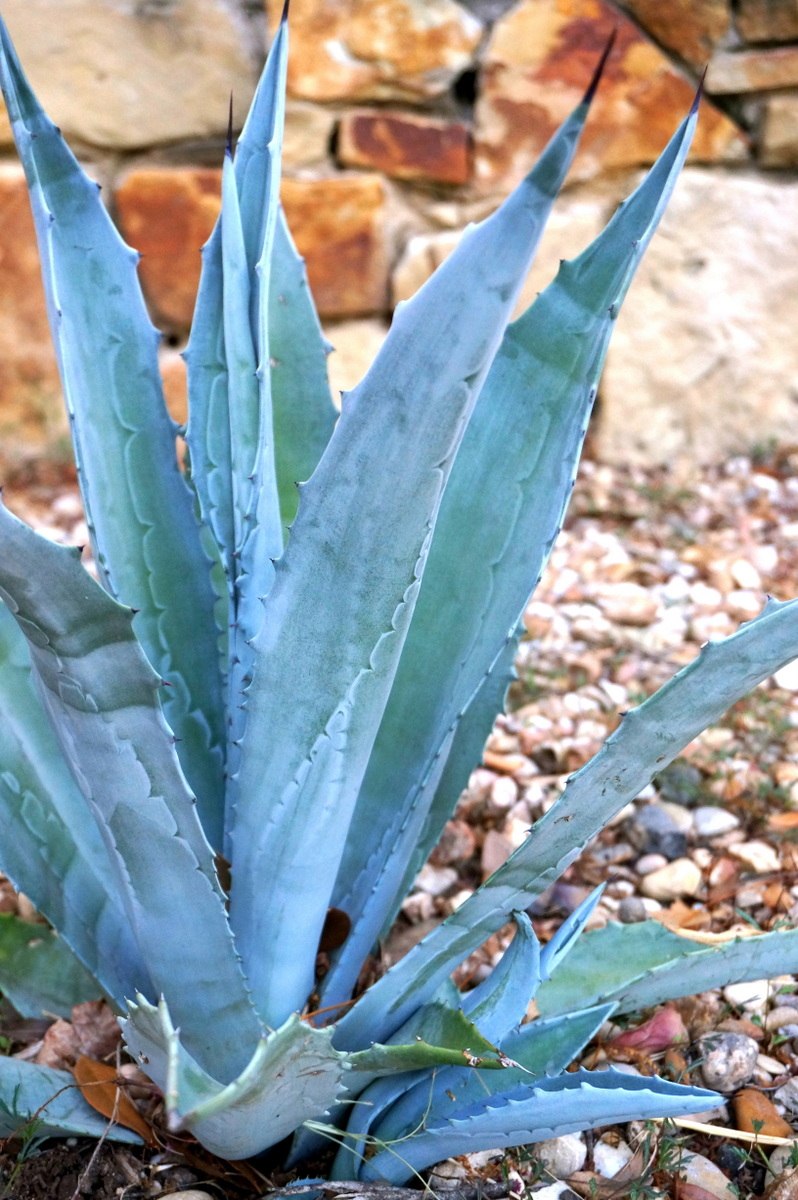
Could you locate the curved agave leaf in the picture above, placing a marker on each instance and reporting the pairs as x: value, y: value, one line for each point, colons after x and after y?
x: 509, y: 487
x: 567, y: 936
x: 339, y: 609
x: 647, y: 739
x: 48, y: 1104
x: 642, y: 965
x: 293, y: 1075
x: 101, y: 695
x: 500, y: 1002
x: 548, y: 1109
x: 138, y: 507
x: 393, y: 1113
x: 56, y: 854
x: 38, y: 972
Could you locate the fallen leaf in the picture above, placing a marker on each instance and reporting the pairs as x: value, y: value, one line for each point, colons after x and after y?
x: 664, y: 1029
x: 99, y: 1086
x: 97, y: 1028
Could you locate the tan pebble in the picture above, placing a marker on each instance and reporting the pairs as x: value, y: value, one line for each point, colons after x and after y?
x: 785, y: 1014
x: 745, y: 574
x: 759, y: 856
x: 496, y: 849
x: 679, y: 878
x: 754, y: 1113
x: 770, y: 1065
x: 503, y: 794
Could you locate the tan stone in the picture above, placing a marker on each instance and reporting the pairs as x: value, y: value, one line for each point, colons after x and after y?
x: 339, y: 227
x: 539, y: 61
x: 175, y: 386
x: 167, y: 214
x: 754, y: 1112
x: 377, y: 49
x: 30, y: 396
x: 355, y: 346
x: 690, y: 28
x: 768, y: 20
x: 308, y: 134
x: 778, y: 146
x: 732, y: 73
x: 123, y: 75
x: 704, y: 360
x: 406, y: 146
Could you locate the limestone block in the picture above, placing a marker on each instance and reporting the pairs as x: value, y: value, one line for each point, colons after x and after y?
x: 405, y: 146
x: 31, y: 411
x: 339, y: 227
x: 308, y: 134
x: 753, y: 71
x: 355, y: 346
x: 377, y: 49
x: 539, y: 60
x: 129, y: 73
x: 690, y: 28
x: 778, y: 145
x: 704, y: 360
x: 768, y: 20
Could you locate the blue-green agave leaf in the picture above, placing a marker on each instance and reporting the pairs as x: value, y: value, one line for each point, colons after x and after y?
x: 56, y: 854
x: 548, y: 1109
x: 345, y: 590
x: 652, y: 965
x: 500, y: 1002
x: 647, y: 739
x: 293, y: 1075
x: 567, y: 936
x: 38, y: 972
x: 46, y: 1103
x: 138, y: 507
x: 101, y: 695
x: 508, y: 489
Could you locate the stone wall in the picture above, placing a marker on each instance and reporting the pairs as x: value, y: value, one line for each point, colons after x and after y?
x: 407, y: 119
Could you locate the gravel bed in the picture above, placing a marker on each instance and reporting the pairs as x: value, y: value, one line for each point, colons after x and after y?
x: 651, y: 565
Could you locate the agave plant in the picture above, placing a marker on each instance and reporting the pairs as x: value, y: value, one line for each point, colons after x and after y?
x: 299, y: 682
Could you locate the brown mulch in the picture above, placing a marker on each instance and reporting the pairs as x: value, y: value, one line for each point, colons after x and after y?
x: 650, y: 566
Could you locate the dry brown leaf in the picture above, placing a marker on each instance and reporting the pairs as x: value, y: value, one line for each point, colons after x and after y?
x: 97, y: 1029
x: 59, y: 1047
x: 98, y: 1084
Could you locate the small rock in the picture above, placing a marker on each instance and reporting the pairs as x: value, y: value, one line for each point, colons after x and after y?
x: 770, y: 1065
x: 729, y: 1060
x: 627, y: 603
x: 787, y: 1095
x: 783, y: 1158
x: 759, y: 856
x: 679, y: 814
x: 679, y: 878
x: 561, y: 1156
x: 710, y: 821
x: 435, y: 881
x: 457, y: 843
x: 631, y: 910
x: 680, y: 782
x: 496, y: 849
x: 755, y: 1113
x: 553, y: 1191
x: 650, y: 862
x: 609, y: 1158
x: 787, y: 677
x: 785, y: 1014
x: 652, y: 830
x: 698, y: 1171
x: 752, y: 995
x: 503, y: 795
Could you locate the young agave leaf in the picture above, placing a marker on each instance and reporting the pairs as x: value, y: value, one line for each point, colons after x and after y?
x: 340, y: 606
x: 647, y: 739
x: 293, y: 1075
x: 56, y: 854
x: 38, y: 972
x: 49, y: 1104
x: 549, y: 1109
x: 101, y: 696
x: 643, y: 965
x: 501, y: 1001
x: 508, y: 488
x: 567, y: 936
x: 139, y: 508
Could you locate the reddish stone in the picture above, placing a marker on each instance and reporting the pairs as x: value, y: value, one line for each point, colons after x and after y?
x: 768, y: 20
x: 167, y: 214
x: 30, y: 394
x: 377, y: 49
x: 537, y: 66
x: 690, y: 28
x: 339, y: 227
x: 753, y: 71
x: 405, y: 146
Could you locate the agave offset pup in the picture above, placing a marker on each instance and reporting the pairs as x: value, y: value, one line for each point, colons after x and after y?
x: 299, y: 681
